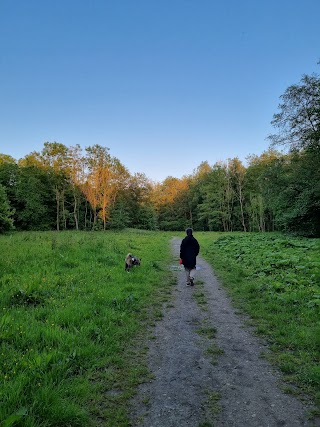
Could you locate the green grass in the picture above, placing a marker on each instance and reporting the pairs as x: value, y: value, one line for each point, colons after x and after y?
x: 276, y: 279
x: 213, y: 351
x: 72, y: 324
x: 211, y: 407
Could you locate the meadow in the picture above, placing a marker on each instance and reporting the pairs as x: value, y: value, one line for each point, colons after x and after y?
x: 71, y: 323
x: 275, y: 278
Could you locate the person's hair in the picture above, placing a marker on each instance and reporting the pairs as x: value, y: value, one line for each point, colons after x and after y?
x: 189, y: 231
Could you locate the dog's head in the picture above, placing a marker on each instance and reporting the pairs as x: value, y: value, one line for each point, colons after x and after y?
x: 136, y: 260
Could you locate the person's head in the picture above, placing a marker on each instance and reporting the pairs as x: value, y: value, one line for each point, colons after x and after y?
x: 189, y: 231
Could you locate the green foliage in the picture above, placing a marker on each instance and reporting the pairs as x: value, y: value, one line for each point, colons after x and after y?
x: 298, y: 121
x: 71, y: 318
x: 275, y: 191
x: 9, y: 175
x: 6, y: 222
x: 215, y: 200
x: 298, y: 124
x: 291, y: 192
x: 145, y: 217
x: 119, y: 217
x: 36, y: 202
x: 276, y: 279
x: 169, y: 220
x: 300, y: 196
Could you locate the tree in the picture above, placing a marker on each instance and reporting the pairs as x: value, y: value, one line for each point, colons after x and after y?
x: 298, y: 121
x: 54, y: 160
x: 106, y: 176
x: 76, y: 173
x: 5, y: 158
x: 168, y: 200
x: 35, y: 206
x: 136, y: 197
x: 119, y: 216
x: 217, y: 199
x: 6, y: 221
x: 237, y: 173
x: 9, y: 178
x: 193, y: 196
x: 259, y: 188
x: 296, y: 192
x: 55, y: 157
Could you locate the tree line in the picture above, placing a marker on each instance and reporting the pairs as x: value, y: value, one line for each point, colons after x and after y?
x: 70, y: 188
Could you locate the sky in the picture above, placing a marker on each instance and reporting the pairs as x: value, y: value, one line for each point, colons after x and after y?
x: 164, y: 84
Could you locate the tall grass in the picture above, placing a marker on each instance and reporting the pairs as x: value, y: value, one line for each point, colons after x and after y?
x: 72, y: 320
x: 276, y: 279
x: 70, y: 324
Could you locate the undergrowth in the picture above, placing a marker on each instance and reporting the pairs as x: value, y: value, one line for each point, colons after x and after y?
x: 276, y: 279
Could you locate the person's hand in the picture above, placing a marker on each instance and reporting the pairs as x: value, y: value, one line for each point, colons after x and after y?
x: 180, y: 261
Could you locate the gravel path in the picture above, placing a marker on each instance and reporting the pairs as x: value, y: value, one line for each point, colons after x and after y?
x: 208, y: 367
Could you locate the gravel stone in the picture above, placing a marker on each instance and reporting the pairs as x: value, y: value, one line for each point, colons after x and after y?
x: 236, y: 387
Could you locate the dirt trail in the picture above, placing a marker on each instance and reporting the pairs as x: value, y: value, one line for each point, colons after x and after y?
x: 201, y: 380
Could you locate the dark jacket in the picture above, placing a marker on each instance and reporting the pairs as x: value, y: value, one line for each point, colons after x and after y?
x: 189, y: 249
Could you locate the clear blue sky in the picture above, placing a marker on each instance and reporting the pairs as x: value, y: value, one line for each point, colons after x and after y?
x: 165, y: 84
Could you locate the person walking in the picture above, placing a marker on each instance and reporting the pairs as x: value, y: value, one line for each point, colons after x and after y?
x: 189, y: 250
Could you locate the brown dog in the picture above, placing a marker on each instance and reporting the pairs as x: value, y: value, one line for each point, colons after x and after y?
x: 130, y: 261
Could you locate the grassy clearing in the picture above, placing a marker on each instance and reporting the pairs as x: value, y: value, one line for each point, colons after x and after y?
x: 276, y: 279
x: 71, y: 324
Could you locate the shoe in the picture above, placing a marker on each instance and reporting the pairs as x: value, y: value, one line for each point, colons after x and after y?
x: 188, y: 284
x: 191, y: 281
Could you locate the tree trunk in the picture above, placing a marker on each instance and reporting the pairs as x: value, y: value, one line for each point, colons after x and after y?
x: 85, y: 215
x: 75, y: 213
x: 63, y: 210
x: 241, y: 209
x: 58, y: 209
x: 191, y: 217
x: 261, y: 216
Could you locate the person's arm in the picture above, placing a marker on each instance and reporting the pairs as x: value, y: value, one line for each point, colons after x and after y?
x: 197, y: 247
x: 182, y: 250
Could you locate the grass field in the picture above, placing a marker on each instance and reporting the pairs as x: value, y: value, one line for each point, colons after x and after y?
x: 73, y: 322
x: 276, y: 279
x: 71, y: 319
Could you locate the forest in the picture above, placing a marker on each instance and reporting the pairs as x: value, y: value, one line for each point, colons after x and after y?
x: 63, y: 188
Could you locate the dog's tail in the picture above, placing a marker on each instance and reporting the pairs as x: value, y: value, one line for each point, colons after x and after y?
x: 128, y: 262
